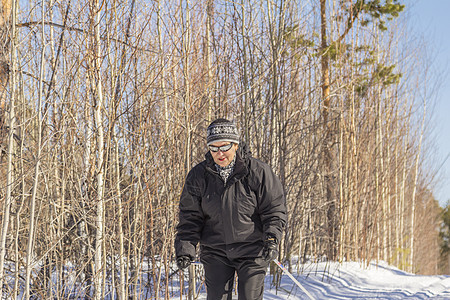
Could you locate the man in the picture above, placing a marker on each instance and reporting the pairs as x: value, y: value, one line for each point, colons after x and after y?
x: 234, y: 206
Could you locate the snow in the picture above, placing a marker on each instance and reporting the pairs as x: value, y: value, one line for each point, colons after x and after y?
x: 352, y: 280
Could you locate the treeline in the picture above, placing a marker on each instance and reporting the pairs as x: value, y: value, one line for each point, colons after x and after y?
x: 105, y: 105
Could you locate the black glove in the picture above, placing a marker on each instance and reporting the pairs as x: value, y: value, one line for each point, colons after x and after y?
x: 270, y: 250
x: 183, y: 262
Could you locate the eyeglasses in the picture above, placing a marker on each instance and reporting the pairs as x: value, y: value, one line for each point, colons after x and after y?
x: 223, y: 148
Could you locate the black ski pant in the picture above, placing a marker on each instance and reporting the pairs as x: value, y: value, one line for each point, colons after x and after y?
x: 219, y: 277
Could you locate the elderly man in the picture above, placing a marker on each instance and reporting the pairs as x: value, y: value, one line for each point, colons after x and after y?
x: 234, y: 206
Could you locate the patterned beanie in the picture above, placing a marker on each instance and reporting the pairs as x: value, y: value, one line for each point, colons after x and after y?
x: 222, y: 130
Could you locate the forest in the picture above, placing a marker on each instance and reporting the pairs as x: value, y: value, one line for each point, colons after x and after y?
x: 104, y: 109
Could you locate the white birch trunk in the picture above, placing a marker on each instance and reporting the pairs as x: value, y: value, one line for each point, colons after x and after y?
x: 122, y: 293
x: 99, y: 221
x: 29, y: 255
x: 413, y: 196
x: 10, y: 151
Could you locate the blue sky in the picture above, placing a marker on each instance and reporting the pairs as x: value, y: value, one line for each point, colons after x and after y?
x: 430, y: 20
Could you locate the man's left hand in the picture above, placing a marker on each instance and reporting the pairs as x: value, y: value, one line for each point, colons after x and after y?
x: 270, y: 251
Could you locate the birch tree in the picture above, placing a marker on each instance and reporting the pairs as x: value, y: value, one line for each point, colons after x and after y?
x: 8, y: 10
x: 98, y: 104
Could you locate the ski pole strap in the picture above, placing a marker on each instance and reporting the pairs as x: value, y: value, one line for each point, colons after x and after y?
x: 293, y: 279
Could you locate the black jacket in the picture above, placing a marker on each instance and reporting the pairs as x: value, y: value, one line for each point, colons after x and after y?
x: 230, y: 219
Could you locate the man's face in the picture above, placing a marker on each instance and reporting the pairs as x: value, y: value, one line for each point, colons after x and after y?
x: 222, y: 154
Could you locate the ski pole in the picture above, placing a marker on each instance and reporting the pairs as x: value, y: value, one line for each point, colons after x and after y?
x: 293, y: 278
x: 178, y: 270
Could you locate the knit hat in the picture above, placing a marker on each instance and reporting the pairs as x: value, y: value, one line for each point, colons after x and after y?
x: 222, y: 130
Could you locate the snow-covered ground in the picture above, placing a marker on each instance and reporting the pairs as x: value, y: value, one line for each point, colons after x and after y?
x: 352, y: 280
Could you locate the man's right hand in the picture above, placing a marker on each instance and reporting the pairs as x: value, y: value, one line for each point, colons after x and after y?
x: 183, y: 262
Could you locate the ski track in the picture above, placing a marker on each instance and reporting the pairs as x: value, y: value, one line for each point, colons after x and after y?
x: 350, y: 281
x: 353, y: 280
